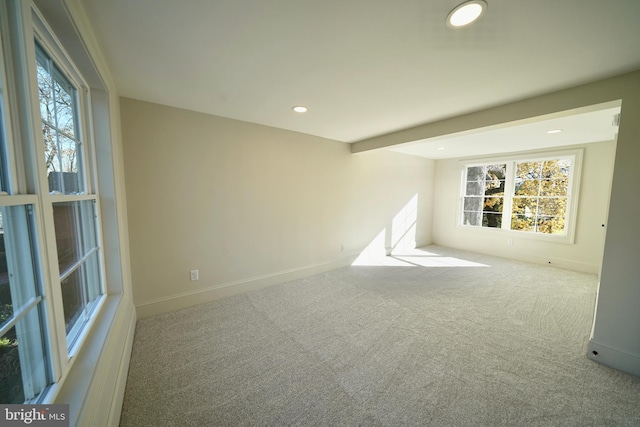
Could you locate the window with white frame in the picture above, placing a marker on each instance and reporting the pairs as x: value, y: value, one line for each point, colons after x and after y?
x: 24, y: 356
x: 74, y: 213
x: 534, y: 195
x: 50, y: 254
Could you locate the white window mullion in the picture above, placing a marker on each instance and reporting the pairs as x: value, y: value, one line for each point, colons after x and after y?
x: 54, y: 297
x: 509, y: 190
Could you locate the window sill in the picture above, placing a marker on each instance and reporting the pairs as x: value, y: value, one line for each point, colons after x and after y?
x: 92, y: 356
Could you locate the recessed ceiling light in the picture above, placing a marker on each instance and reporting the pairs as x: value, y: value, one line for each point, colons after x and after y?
x: 554, y: 131
x: 441, y: 148
x: 300, y: 109
x: 466, y: 13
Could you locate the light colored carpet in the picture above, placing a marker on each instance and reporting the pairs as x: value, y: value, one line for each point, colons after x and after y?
x: 444, y: 338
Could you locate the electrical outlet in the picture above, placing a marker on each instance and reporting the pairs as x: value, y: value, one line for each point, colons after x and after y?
x: 195, y: 275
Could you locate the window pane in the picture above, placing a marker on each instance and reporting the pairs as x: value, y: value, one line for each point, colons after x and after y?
x: 546, y: 184
x: 72, y: 298
x: 17, y: 277
x: 79, y: 262
x: 528, y: 170
x: 475, y: 173
x: 69, y: 157
x: 23, y: 371
x: 552, y: 207
x: 527, y: 187
x: 23, y: 365
x: 526, y: 206
x: 493, y: 204
x: 491, y: 220
x: 554, y: 187
x: 494, y: 187
x: 473, y: 204
x: 64, y: 94
x: 75, y: 231
x: 475, y: 188
x: 11, y: 390
x: 472, y: 218
x: 67, y: 234
x: 495, y: 178
x: 522, y: 223
x: 92, y: 274
x: 556, y: 168
x: 550, y: 225
x: 6, y: 305
x: 59, y: 113
x: 488, y: 181
x: 44, y: 92
x: 52, y: 160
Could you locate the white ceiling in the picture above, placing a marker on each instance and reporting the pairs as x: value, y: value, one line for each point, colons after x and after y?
x: 577, y: 127
x: 363, y: 67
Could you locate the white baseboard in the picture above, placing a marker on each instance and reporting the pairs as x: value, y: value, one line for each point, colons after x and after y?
x: 566, y: 264
x: 614, y: 358
x: 189, y: 299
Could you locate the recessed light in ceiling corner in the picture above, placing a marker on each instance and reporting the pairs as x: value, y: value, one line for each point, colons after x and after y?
x: 552, y: 131
x: 300, y: 109
x: 466, y: 13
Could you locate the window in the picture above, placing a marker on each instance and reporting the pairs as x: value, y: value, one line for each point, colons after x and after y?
x: 484, y: 195
x: 75, y: 218
x: 51, y: 264
x: 530, y: 195
x: 540, y: 196
x: 24, y: 356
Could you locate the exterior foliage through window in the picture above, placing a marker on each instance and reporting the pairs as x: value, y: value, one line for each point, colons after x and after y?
x: 530, y: 195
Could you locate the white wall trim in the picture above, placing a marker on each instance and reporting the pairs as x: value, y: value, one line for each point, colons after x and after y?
x: 123, y: 373
x: 99, y: 366
x: 162, y: 305
x: 566, y: 264
x: 614, y: 358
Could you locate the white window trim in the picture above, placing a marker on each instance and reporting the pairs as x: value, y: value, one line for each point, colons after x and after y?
x: 25, y: 177
x: 53, y: 47
x: 575, y: 154
x: 92, y: 379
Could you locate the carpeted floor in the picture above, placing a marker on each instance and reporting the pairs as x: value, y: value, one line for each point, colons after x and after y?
x: 437, y: 338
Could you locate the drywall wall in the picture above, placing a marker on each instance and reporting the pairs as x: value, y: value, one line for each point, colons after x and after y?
x: 615, y: 340
x: 248, y: 205
x: 586, y: 252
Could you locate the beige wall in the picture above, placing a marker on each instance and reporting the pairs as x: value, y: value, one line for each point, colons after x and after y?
x: 249, y: 205
x: 593, y: 203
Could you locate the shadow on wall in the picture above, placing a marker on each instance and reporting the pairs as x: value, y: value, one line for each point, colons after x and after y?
x: 396, y: 246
